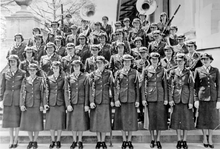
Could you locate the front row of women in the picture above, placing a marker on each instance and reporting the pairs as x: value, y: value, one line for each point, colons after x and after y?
x: 25, y: 98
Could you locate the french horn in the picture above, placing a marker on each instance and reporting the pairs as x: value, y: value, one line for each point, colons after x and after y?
x: 146, y: 7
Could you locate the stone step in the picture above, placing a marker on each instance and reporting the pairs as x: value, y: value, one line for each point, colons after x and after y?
x: 116, y: 146
x: 141, y: 136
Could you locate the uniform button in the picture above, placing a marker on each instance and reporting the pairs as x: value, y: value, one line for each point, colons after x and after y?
x: 12, y: 90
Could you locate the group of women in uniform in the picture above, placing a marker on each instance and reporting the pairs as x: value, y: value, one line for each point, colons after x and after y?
x: 79, y: 89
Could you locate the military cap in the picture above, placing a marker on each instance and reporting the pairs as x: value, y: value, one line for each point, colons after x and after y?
x: 154, y: 55
x: 138, y: 39
x: 101, y: 58
x: 70, y: 45
x: 127, y: 57
x: 206, y: 55
x: 180, y: 56
x: 143, y: 49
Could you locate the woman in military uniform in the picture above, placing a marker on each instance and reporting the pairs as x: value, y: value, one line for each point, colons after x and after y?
x: 168, y: 62
x: 31, y: 102
x: 157, y: 45
x: 90, y: 64
x: 19, y: 47
x: 116, y: 59
x: 135, y: 51
x: 46, y: 60
x: 120, y: 35
x: 207, y: 98
x: 72, y: 38
x: 193, y: 57
x: 10, y: 95
x: 137, y: 31
x: 76, y: 97
x: 29, y: 53
x: 69, y: 58
x: 54, y: 104
x: 83, y: 50
x: 60, y: 48
x: 39, y: 47
x: 126, y: 101
x: 105, y: 48
x: 181, y: 94
x: 155, y: 97
x: 101, y: 91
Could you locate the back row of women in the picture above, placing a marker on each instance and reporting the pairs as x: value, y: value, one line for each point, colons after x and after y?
x: 79, y: 85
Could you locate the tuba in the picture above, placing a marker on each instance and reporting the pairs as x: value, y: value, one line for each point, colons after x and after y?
x: 146, y: 7
x: 88, y: 11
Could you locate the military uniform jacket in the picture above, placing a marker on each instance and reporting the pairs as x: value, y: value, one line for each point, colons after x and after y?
x: 32, y: 93
x: 39, y: 52
x: 115, y: 63
x: 76, y: 89
x: 207, y: 84
x: 55, y: 91
x: 17, y: 50
x: 101, y: 87
x: 127, y: 86
x: 154, y: 85
x: 46, y: 67
x: 66, y: 63
x: 61, y: 51
x: 83, y: 52
x: 157, y: 47
x: 90, y: 64
x: 106, y: 51
x: 168, y: 64
x: 10, y: 87
x: 181, y: 87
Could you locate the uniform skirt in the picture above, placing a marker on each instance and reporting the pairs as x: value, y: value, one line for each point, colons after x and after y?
x: 182, y: 117
x: 126, y: 117
x: 158, y: 115
x: 78, y: 119
x: 208, y: 116
x: 32, y: 119
x: 56, y: 118
x: 100, y: 119
x: 11, y: 117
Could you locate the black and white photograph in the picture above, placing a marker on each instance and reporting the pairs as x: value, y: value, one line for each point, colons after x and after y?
x: 109, y: 74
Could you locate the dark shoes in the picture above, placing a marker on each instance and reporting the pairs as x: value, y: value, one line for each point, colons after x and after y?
x: 15, y: 145
x: 74, y: 144
x: 98, y: 145
x: 104, y: 146
x: 184, y: 145
x: 179, y: 144
x: 34, y: 145
x: 30, y: 144
x: 159, y: 146
x: 152, y: 144
x: 129, y: 144
x: 124, y: 145
x: 80, y: 145
x: 52, y: 145
x: 58, y: 145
